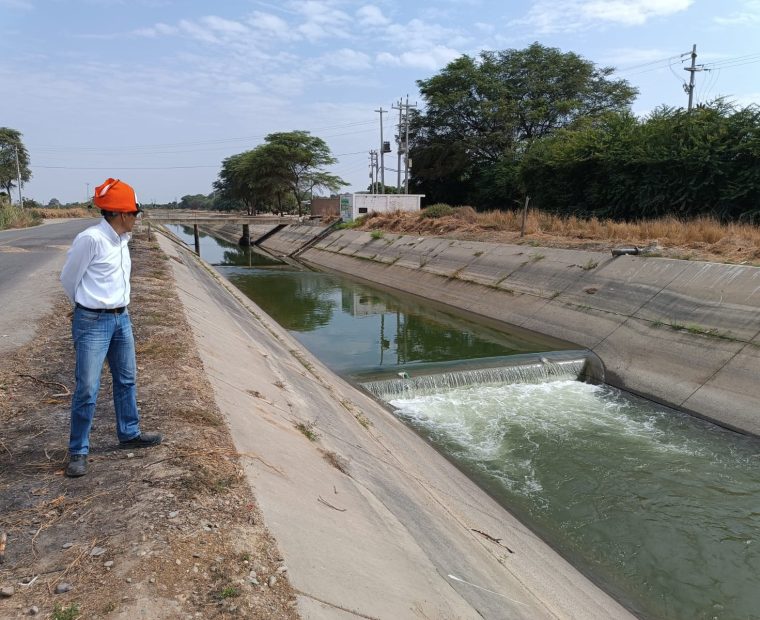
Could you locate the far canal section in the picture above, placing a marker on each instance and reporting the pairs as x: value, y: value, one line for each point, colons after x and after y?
x: 654, y: 505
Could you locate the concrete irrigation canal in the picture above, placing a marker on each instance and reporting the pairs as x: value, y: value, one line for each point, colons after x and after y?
x: 656, y: 506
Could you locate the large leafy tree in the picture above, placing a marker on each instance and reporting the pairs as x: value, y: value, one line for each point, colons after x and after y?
x: 248, y: 180
x: 297, y: 159
x: 10, y: 143
x: 481, y: 114
x: 287, y: 168
x: 673, y: 162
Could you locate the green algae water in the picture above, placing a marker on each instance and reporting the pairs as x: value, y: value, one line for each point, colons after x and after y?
x: 659, y: 508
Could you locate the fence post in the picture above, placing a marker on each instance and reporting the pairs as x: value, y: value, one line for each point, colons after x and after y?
x: 524, y: 216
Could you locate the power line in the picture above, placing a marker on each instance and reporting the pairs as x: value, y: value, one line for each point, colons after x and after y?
x: 659, y: 61
x: 747, y: 57
x: 158, y: 167
x: 193, y: 143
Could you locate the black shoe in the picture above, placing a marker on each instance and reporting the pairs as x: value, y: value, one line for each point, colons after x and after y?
x: 77, y: 465
x: 144, y: 440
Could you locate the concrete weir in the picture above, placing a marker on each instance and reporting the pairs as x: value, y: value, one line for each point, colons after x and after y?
x: 683, y: 333
x: 371, y: 521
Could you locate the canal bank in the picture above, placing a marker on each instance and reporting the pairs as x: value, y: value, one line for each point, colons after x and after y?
x: 372, y: 521
x: 682, y: 333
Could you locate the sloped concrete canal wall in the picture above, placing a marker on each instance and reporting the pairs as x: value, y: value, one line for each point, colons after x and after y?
x: 686, y: 334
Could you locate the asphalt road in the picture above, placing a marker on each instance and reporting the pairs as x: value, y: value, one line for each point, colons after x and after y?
x: 30, y: 262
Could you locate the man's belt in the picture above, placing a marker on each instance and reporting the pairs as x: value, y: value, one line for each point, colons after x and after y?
x: 109, y: 310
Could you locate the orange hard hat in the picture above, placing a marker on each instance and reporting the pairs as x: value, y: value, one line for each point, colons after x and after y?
x: 115, y: 195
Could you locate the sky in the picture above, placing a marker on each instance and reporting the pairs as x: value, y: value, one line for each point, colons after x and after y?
x: 159, y: 92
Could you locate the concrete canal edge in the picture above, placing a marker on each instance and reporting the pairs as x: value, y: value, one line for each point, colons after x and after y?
x: 682, y: 333
x: 371, y: 521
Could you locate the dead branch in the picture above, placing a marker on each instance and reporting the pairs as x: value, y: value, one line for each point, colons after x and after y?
x: 493, y: 540
x: 55, y: 383
x: 328, y: 504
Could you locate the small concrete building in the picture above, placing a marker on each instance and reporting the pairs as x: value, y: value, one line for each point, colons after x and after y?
x: 353, y: 206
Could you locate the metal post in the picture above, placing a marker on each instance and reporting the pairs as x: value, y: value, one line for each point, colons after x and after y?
x: 18, y: 173
x: 692, y: 70
x: 197, y: 239
x: 382, y: 149
x: 524, y: 216
x: 245, y: 240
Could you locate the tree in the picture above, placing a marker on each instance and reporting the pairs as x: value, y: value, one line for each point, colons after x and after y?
x: 482, y: 114
x: 296, y: 159
x: 10, y: 144
x: 286, y: 164
x: 673, y: 162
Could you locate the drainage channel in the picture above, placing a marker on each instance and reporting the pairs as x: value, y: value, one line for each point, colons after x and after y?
x: 654, y: 505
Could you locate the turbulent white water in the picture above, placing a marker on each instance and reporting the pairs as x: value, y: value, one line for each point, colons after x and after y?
x: 658, y: 506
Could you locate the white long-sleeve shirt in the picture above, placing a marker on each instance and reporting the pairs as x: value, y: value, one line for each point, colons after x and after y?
x: 97, y: 269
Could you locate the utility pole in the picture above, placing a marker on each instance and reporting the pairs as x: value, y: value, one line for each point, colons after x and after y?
x: 87, y: 193
x: 692, y: 70
x: 373, y: 170
x: 407, y: 163
x: 398, y: 143
x: 18, y: 176
x: 382, y: 148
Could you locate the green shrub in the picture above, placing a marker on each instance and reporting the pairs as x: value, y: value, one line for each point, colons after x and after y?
x: 437, y: 210
x: 70, y: 612
x: 13, y: 217
x: 376, y: 234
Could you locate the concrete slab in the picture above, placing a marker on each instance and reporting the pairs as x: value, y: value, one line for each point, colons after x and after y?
x: 495, y: 264
x: 710, y: 296
x: 724, y: 394
x: 547, y: 272
x: 450, y: 258
x: 662, y: 363
x: 391, y: 538
x: 291, y: 238
x: 623, y: 285
x: 583, y: 325
x: 416, y: 252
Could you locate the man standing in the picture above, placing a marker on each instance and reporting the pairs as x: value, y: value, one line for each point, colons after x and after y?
x: 96, y: 280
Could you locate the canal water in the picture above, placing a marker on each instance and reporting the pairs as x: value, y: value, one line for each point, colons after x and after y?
x: 659, y: 508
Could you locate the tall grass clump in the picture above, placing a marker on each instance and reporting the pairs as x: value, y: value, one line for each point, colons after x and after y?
x: 13, y: 217
x: 437, y: 210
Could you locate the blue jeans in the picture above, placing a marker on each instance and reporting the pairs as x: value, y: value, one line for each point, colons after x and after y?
x: 97, y: 336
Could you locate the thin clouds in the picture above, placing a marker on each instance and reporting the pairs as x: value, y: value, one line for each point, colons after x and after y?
x: 749, y: 15
x: 370, y: 16
x: 549, y: 16
x: 430, y: 59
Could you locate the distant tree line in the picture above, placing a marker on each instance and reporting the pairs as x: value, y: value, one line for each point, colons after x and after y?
x: 553, y: 126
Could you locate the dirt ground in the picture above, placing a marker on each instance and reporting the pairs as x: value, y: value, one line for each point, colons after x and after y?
x: 168, y: 532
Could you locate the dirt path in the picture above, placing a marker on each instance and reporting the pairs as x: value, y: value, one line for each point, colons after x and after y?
x: 172, y: 532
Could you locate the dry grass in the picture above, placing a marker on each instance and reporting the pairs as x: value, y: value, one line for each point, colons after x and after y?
x: 51, y: 214
x: 13, y: 217
x: 698, y: 238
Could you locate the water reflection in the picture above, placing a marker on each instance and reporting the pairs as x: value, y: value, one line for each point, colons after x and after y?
x: 220, y: 252
x: 356, y: 329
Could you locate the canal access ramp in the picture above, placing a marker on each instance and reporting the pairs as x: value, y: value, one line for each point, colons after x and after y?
x: 371, y: 521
